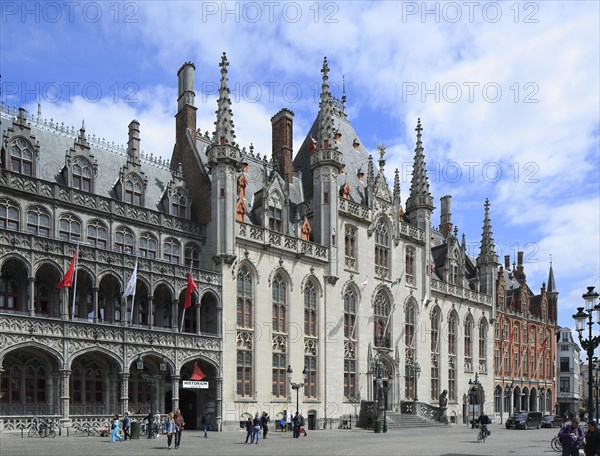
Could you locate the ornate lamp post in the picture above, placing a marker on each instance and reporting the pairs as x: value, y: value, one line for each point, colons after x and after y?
x: 592, y: 342
x: 296, y: 386
x: 473, y: 387
x: 508, y: 389
x: 151, y: 380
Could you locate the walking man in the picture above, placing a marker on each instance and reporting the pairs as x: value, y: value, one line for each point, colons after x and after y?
x: 126, y: 425
x: 204, y: 422
x: 179, y: 423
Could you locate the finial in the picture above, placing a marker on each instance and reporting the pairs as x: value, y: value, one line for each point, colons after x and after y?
x: 83, y: 124
x: 419, y: 128
x: 344, y: 92
x: 550, y: 260
x: 325, y: 69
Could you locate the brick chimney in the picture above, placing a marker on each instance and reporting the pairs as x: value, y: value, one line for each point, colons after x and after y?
x: 520, y: 273
x: 507, y: 262
x: 282, y: 124
x: 185, y: 119
x: 133, y: 143
x: 446, y: 215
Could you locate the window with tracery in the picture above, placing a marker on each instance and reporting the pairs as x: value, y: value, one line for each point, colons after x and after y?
x: 133, y: 190
x: 409, y: 325
x: 82, y: 174
x: 350, y: 301
x: 124, y: 240
x: 178, y: 203
x: 382, y: 249
x: 9, y: 215
x: 69, y: 228
x: 350, y: 247
x: 97, y: 234
x: 148, y: 246
x: 381, y: 317
x: 171, y: 251
x: 192, y: 255
x: 310, y: 310
x: 279, y: 304
x: 21, y: 157
x: 244, y: 298
x: 38, y: 221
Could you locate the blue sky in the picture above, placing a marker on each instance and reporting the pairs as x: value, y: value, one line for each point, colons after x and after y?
x: 508, y: 94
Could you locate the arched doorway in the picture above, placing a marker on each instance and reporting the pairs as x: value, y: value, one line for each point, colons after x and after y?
x: 193, y: 402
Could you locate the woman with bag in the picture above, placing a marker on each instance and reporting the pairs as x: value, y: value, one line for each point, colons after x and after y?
x: 169, y: 428
x: 115, y: 430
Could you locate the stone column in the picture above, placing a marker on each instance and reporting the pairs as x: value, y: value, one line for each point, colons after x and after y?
x: 124, y: 392
x: 175, y: 391
x: 175, y: 322
x: 64, y: 303
x: 95, y: 300
x: 219, y: 404
x: 150, y: 313
x: 31, y: 302
x: 65, y: 375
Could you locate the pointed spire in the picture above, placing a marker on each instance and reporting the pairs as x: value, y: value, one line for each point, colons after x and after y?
x: 419, y: 186
x: 551, y: 283
x: 397, y: 185
x: 487, y: 251
x: 81, y: 138
x: 224, y: 132
x: 325, y: 126
x: 371, y: 172
x: 344, y: 93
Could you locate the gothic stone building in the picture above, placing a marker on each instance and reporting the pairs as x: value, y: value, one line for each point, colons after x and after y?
x: 311, y: 270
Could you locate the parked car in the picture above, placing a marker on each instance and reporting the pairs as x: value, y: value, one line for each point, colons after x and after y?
x: 524, y: 420
x: 551, y: 421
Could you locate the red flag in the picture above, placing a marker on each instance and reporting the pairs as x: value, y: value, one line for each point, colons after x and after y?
x: 67, y: 280
x: 191, y: 287
x: 197, y: 374
x: 510, y: 340
x: 543, y: 347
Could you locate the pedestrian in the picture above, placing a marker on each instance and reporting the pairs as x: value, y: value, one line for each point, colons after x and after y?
x: 249, y: 429
x: 169, y: 428
x: 592, y: 440
x: 157, y: 423
x: 302, y: 429
x: 571, y: 438
x: 255, y: 429
x: 115, y: 430
x: 204, y: 422
x: 296, y: 423
x: 126, y: 426
x: 282, y: 424
x: 179, y: 424
x: 265, y: 420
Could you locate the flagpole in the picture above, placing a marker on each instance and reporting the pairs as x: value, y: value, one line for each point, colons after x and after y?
x: 183, y: 313
x: 134, y: 288
x: 75, y: 280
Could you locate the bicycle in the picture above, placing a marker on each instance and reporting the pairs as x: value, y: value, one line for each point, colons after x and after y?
x: 555, y: 444
x: 482, y: 434
x: 41, y: 428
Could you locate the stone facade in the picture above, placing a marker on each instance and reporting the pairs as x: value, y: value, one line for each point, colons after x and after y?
x: 311, y: 273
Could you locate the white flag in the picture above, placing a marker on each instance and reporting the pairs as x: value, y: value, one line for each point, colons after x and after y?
x: 364, y: 285
x: 130, y: 288
x: 426, y: 299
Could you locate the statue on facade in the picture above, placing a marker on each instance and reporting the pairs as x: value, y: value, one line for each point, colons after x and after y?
x: 443, y: 417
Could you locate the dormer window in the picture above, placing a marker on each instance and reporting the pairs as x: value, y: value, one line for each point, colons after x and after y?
x: 275, y: 213
x: 178, y: 204
x: 82, y: 175
x: 21, y: 157
x: 133, y: 190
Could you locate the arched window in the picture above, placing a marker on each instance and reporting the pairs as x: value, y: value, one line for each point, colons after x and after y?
x: 381, y: 317
x: 148, y: 246
x: 435, y: 331
x: 350, y: 301
x: 38, y: 221
x: 409, y: 265
x: 97, y: 234
x: 82, y: 174
x: 483, y: 334
x: 244, y: 298
x: 275, y: 212
x: 69, y: 228
x: 350, y: 247
x: 124, y: 240
x: 468, y: 343
x: 133, y: 190
x: 279, y: 304
x: 409, y: 325
x: 382, y: 249
x: 435, y: 354
x: 21, y: 157
x: 9, y: 293
x: 452, y: 361
x: 178, y: 203
x: 310, y: 310
x: 192, y: 255
x: 9, y: 215
x: 171, y: 251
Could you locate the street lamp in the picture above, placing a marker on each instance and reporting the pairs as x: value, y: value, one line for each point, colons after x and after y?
x: 589, y: 344
x: 376, y: 370
x: 296, y: 386
x: 508, y: 389
x: 473, y: 386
